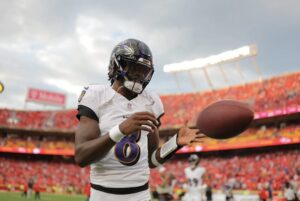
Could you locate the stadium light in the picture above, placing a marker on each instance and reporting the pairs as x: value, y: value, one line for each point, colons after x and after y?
x: 228, y: 56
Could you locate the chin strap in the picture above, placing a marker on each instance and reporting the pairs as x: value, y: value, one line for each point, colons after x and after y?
x: 133, y: 86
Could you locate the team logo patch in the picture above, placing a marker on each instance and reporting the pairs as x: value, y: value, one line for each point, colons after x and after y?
x: 125, y: 50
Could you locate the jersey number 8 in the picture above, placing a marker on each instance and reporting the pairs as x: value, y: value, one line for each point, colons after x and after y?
x: 127, y: 151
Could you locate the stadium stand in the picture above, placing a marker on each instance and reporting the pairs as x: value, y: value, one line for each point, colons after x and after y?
x: 283, y: 91
x: 37, y: 131
x: 244, y: 172
x: 254, y: 136
x: 52, y: 176
x: 31, y: 142
x: 276, y: 93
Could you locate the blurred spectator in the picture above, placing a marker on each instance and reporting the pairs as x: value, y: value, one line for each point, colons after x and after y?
x: 37, y: 194
x: 87, y: 191
x: 263, y: 194
x: 288, y: 192
x: 30, y: 184
x: 165, y: 189
x: 208, y: 193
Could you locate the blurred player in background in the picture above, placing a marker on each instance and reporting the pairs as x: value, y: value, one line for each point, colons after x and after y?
x: 24, y: 188
x: 30, y: 184
x: 165, y: 190
x: 263, y: 193
x: 194, y: 175
x: 118, y: 130
x: 228, y: 191
x: 208, y: 192
x: 37, y: 195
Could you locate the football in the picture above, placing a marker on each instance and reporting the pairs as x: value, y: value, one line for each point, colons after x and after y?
x: 224, y: 119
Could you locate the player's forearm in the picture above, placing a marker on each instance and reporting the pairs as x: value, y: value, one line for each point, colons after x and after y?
x: 153, y: 144
x: 92, y: 150
x: 159, y: 159
x: 164, y: 153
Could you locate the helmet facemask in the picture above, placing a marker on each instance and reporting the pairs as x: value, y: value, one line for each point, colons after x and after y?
x: 193, y: 160
x: 136, y: 75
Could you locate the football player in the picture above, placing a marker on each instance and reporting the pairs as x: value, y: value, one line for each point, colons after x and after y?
x: 194, y: 175
x: 118, y: 129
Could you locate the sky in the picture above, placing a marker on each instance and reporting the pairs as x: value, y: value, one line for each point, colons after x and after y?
x: 63, y: 45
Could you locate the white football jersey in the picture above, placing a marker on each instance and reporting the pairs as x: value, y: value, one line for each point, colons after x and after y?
x: 126, y: 164
x: 194, y: 177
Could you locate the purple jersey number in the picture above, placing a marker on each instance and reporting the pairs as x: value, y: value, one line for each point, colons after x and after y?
x: 127, y: 151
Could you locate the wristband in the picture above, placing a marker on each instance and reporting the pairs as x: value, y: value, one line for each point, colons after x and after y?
x: 169, y: 147
x: 115, y: 134
x: 154, y: 160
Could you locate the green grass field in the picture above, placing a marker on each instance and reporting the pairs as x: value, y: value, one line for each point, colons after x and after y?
x: 16, y: 196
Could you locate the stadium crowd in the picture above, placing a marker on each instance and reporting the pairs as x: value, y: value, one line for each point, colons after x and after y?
x: 60, y: 120
x: 254, y: 171
x: 242, y: 172
x: 50, y: 176
x: 257, y: 136
x: 284, y: 91
x: 284, y: 134
x: 32, y: 142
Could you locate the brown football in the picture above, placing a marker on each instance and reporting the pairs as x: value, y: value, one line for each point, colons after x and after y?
x: 224, y: 119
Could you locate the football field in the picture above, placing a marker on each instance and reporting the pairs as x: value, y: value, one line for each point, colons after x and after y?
x: 16, y: 196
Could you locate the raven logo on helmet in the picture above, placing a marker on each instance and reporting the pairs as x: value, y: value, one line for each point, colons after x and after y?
x: 125, y: 50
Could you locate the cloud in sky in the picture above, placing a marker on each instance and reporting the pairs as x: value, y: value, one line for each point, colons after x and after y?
x: 61, y: 45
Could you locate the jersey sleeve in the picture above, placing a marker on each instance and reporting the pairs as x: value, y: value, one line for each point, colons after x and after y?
x: 202, y: 171
x: 186, y: 172
x: 157, y: 108
x: 88, y: 103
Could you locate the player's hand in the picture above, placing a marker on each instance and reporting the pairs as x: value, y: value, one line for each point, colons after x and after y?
x: 187, y: 136
x: 139, y: 121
